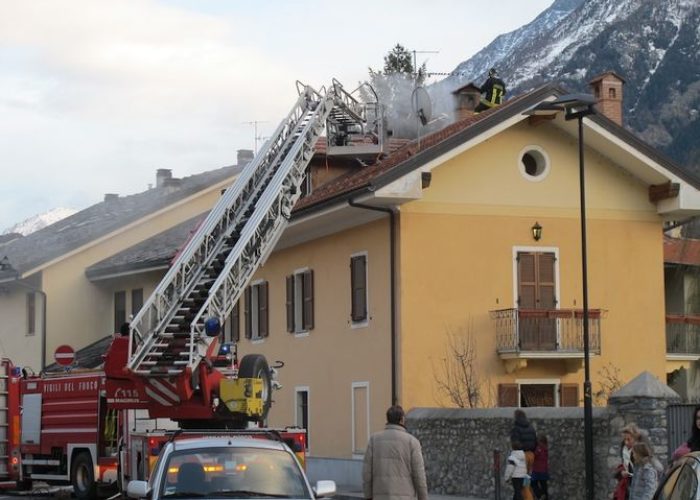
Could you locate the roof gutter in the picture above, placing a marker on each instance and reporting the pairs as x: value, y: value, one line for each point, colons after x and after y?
x: 392, y: 267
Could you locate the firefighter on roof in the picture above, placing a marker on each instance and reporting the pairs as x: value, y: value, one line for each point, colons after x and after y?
x: 493, y: 91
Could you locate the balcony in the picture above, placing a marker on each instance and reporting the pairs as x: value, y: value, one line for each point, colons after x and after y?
x: 545, y: 333
x: 683, y: 336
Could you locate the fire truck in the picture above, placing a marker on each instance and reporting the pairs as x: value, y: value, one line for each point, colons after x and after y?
x: 107, y: 426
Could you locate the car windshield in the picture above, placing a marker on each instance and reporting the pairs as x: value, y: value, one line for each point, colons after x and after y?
x: 233, y: 472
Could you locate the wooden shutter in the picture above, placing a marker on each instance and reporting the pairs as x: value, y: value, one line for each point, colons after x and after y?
x: 358, y: 285
x: 235, y: 320
x: 508, y: 395
x: 527, y: 281
x: 308, y: 294
x: 568, y: 395
x: 247, y: 313
x: 546, y: 286
x: 290, y: 303
x: 263, y: 315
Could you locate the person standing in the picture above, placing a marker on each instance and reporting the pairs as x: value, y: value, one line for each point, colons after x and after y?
x: 645, y: 478
x: 693, y: 444
x: 516, y: 471
x: 493, y: 90
x: 540, y: 468
x: 393, y: 467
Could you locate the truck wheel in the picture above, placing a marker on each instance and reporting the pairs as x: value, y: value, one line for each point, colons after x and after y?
x: 82, y: 477
x: 255, y: 366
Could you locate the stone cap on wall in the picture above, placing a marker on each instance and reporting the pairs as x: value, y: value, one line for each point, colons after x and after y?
x: 645, y: 385
x: 496, y: 413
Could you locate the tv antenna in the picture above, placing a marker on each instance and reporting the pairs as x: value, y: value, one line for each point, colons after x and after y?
x: 256, y: 137
x: 422, y: 105
x: 414, y: 52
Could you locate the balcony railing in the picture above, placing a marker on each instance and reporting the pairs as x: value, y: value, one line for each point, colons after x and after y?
x: 683, y: 334
x: 553, y: 331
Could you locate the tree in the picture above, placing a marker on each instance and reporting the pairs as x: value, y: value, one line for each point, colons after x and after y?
x: 398, y: 60
x: 458, y: 377
x: 609, y: 382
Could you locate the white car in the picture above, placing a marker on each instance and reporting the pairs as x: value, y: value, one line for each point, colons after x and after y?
x: 228, y: 467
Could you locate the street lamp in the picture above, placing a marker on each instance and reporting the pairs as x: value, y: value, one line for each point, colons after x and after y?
x: 576, y: 107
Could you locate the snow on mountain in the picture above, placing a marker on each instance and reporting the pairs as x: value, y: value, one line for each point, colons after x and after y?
x: 28, y: 226
x: 653, y: 44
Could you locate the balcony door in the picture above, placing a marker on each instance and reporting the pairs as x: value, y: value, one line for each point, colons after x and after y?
x: 536, y: 296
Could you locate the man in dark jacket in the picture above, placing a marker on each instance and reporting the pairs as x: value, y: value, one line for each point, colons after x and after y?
x: 493, y: 90
x: 523, y: 432
x: 393, y: 467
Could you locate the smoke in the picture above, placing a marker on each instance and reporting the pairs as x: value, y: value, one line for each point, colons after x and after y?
x: 402, y: 107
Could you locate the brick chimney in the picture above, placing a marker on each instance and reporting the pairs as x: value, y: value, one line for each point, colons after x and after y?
x: 466, y: 100
x: 163, y: 174
x: 607, y: 88
x: 244, y: 156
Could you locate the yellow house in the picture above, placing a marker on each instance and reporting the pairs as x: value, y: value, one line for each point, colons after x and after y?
x: 466, y: 241
x: 391, y: 269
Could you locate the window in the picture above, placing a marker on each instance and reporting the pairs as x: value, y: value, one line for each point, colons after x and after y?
x: 119, y: 309
x: 31, y: 313
x: 358, y: 285
x: 232, y: 328
x: 532, y: 393
x: 301, y: 412
x: 611, y: 93
x: 533, y: 163
x: 300, y: 301
x: 136, y: 301
x: 256, y: 311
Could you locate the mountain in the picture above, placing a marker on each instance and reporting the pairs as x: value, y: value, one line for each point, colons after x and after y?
x: 28, y: 226
x: 653, y: 44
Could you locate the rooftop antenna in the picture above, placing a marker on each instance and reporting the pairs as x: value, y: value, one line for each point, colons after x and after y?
x: 256, y: 137
x: 414, y: 52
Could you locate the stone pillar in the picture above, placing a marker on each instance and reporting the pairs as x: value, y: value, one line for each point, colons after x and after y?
x: 642, y: 401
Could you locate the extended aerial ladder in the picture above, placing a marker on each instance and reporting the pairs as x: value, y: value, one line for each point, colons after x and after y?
x: 175, y: 336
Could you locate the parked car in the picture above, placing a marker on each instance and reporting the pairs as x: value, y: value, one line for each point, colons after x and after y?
x: 681, y: 483
x: 228, y: 467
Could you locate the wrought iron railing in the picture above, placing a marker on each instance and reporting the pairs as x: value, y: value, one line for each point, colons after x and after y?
x: 546, y: 330
x: 682, y: 334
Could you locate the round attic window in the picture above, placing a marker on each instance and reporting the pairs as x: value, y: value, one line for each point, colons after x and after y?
x: 533, y: 163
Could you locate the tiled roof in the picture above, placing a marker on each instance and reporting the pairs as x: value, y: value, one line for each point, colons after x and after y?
x: 682, y: 251
x: 155, y: 252
x: 101, y: 219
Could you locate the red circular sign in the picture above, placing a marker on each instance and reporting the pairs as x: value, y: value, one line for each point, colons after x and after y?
x: 64, y: 355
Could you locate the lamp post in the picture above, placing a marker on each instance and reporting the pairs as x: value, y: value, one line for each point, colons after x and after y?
x: 576, y: 107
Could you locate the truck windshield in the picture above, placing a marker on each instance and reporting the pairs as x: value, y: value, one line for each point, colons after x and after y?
x: 232, y: 472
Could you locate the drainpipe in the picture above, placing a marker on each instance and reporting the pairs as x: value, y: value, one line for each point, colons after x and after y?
x: 392, y: 266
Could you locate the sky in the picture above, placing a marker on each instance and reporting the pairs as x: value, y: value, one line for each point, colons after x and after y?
x: 97, y: 95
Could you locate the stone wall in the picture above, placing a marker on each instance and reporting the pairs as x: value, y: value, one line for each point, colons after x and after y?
x: 459, y: 444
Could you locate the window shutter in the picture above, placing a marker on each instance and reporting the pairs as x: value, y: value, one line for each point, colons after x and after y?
x: 248, y: 318
x: 568, y: 395
x: 546, y: 282
x: 235, y: 319
x: 527, y: 281
x: 290, y: 303
x: 508, y: 395
x: 263, y: 315
x: 358, y: 278
x: 308, y: 294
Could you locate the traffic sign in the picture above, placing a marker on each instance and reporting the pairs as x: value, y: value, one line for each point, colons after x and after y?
x: 64, y: 355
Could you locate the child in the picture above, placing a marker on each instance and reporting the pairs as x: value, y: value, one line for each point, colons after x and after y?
x: 516, y: 471
x: 540, y: 469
